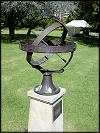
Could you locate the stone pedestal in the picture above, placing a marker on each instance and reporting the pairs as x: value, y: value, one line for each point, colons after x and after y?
x: 46, y: 112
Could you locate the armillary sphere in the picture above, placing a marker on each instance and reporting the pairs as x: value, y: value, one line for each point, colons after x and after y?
x: 39, y: 45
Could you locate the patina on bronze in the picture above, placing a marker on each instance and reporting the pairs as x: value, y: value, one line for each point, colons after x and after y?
x: 40, y: 46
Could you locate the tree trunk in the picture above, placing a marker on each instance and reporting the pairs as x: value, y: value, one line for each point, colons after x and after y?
x: 11, y: 33
x: 11, y: 25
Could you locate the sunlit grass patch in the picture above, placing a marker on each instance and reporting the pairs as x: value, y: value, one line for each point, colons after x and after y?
x: 80, y: 79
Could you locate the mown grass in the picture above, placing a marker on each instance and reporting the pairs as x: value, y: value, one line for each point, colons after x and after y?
x: 80, y: 79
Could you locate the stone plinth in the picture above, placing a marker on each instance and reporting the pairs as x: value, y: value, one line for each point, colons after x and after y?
x: 46, y: 112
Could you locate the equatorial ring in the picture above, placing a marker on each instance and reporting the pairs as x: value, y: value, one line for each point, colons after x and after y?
x: 39, y: 45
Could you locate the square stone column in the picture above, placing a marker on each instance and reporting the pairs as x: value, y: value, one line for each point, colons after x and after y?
x: 46, y: 112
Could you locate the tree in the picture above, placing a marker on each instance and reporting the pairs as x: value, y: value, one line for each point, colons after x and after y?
x: 91, y: 15
x: 23, y: 13
x: 63, y: 8
x: 14, y: 12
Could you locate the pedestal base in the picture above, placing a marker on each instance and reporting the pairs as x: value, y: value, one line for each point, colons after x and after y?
x: 46, y: 112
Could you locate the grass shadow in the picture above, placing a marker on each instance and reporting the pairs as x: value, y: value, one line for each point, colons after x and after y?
x: 19, y: 37
x: 91, y: 41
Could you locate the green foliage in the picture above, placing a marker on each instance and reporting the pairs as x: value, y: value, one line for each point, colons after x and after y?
x: 17, y: 13
x: 91, y: 15
x: 20, y: 14
x: 21, y: 11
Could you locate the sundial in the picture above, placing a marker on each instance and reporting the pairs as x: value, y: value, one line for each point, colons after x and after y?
x: 51, y: 47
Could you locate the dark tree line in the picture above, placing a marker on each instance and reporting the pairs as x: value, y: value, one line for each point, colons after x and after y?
x: 89, y: 11
x: 16, y: 14
x: 20, y: 14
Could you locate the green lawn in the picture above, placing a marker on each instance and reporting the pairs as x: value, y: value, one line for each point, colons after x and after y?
x: 80, y: 79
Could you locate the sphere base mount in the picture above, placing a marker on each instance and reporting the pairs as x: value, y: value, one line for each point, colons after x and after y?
x: 47, y: 87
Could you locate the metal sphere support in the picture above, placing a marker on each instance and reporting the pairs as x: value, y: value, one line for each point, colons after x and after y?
x: 47, y: 87
x: 46, y: 99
